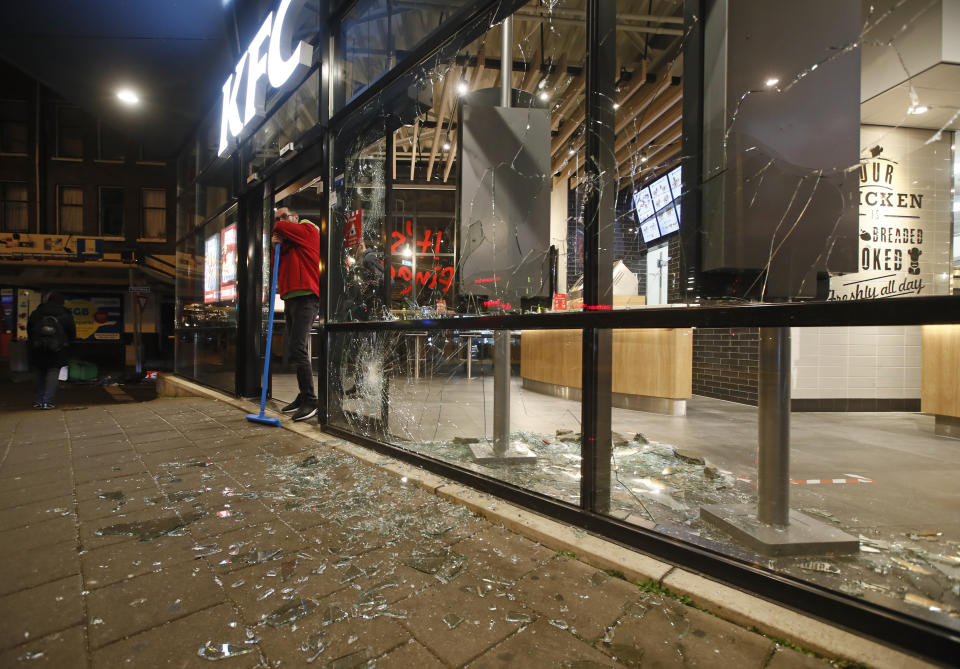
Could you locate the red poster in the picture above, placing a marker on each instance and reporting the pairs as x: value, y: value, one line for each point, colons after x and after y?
x: 354, y: 232
x: 441, y: 306
x: 559, y: 301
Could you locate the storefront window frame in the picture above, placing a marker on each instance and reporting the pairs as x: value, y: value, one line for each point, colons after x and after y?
x: 874, y: 620
x: 895, y: 627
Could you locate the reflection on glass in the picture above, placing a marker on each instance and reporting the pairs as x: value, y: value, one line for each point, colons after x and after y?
x: 206, y: 308
x: 378, y: 34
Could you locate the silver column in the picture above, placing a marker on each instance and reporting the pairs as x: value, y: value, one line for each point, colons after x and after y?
x: 773, y: 466
x: 501, y: 338
x: 501, y: 392
x: 506, y: 62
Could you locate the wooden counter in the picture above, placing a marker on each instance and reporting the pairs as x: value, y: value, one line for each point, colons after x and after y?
x: 940, y: 377
x: 652, y: 368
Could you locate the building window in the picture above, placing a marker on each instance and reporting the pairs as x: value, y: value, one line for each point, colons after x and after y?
x: 13, y: 126
x: 69, y: 132
x: 154, y: 213
x: 111, y: 144
x: 13, y: 213
x: 71, y: 210
x: 111, y: 212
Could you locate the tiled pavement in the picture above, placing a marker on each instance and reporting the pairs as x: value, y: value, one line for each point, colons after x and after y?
x: 286, y: 551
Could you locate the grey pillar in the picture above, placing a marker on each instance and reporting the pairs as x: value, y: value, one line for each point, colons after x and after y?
x: 506, y: 62
x: 501, y: 338
x: 773, y: 467
x: 501, y: 392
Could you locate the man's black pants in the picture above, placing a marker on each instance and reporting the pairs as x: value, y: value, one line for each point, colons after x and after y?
x: 300, y: 313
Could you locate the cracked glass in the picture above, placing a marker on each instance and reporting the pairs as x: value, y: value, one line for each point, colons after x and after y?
x: 826, y: 171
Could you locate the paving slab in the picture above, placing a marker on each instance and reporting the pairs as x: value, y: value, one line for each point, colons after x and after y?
x: 40, y: 611
x: 40, y: 493
x: 456, y: 624
x: 176, y: 644
x: 38, y: 535
x: 576, y: 596
x: 28, y: 514
x: 541, y: 644
x: 410, y: 654
x: 121, y: 561
x: 334, y: 636
x: 667, y: 632
x: 25, y: 569
x: 66, y: 649
x: 143, y: 602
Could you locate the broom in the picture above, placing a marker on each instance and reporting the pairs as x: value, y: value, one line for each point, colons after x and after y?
x: 254, y: 418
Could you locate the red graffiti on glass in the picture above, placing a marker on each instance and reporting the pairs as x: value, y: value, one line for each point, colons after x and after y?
x: 439, y: 275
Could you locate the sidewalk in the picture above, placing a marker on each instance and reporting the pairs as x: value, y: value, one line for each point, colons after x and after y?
x: 173, y: 532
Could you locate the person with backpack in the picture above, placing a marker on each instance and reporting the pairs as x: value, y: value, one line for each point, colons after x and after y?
x: 50, y: 329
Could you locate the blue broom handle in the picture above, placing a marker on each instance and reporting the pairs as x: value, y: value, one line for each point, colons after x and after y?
x: 266, y: 359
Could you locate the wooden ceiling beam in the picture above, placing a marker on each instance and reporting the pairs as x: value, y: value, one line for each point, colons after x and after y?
x: 666, y: 104
x: 642, y: 97
x: 440, y: 114
x: 649, y: 136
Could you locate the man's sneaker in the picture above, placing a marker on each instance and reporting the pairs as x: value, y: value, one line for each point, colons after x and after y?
x: 293, y: 406
x: 304, y: 412
x: 48, y: 405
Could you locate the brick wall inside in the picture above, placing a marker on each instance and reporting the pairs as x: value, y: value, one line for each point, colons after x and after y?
x: 725, y: 363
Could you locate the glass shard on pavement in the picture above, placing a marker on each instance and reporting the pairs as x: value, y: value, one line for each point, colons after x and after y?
x: 213, y: 650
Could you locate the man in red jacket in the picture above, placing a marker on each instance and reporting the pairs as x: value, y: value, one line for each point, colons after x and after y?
x: 298, y: 284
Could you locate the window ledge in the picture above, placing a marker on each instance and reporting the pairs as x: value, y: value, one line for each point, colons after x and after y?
x: 107, y: 161
x: 7, y: 154
x: 112, y: 238
x: 64, y: 159
x: 156, y: 240
x: 155, y: 163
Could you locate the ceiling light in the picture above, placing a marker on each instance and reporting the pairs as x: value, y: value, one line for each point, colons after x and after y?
x: 616, y: 106
x: 544, y: 96
x: 572, y: 151
x: 462, y: 88
x: 446, y: 146
x: 771, y: 82
x: 919, y: 109
x: 127, y: 96
x: 643, y: 158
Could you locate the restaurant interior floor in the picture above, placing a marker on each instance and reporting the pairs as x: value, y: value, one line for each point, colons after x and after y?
x: 882, y: 477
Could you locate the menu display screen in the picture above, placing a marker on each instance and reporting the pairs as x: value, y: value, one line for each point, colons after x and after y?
x: 643, y: 203
x: 668, y: 220
x: 649, y: 229
x: 657, y: 207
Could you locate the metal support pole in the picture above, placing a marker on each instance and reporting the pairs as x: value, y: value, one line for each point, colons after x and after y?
x: 506, y: 62
x: 501, y: 338
x: 599, y: 204
x: 501, y: 392
x: 773, y: 468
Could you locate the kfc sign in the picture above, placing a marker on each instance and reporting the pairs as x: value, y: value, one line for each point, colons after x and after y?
x: 244, y: 92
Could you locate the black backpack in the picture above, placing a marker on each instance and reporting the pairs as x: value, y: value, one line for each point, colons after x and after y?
x: 47, y: 334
